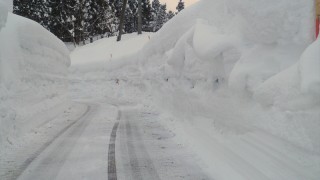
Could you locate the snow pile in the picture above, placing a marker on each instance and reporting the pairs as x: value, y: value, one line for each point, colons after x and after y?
x: 219, y: 35
x: 297, y: 87
x: 8, y: 4
x: 249, y: 52
x: 309, y: 68
x: 33, y: 75
x: 3, y: 14
x: 240, y: 45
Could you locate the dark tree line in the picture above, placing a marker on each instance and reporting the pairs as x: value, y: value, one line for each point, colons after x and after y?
x: 79, y: 20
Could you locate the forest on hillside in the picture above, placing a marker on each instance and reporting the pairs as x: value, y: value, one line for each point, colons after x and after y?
x: 79, y: 20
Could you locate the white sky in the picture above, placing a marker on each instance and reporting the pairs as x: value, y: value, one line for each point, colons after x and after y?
x: 172, y: 4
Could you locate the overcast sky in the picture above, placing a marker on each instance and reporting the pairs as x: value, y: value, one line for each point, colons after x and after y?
x: 172, y: 4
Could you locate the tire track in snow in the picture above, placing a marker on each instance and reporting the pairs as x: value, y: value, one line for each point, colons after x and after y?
x: 112, y: 168
x: 140, y: 160
x: 27, y: 162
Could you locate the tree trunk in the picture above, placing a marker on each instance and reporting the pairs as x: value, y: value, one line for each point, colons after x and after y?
x: 139, y: 17
x: 123, y: 11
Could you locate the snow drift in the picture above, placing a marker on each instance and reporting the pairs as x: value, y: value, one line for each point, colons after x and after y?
x: 250, y: 35
x: 33, y: 76
x: 297, y: 87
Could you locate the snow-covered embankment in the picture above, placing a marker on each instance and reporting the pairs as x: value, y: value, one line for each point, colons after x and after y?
x: 33, y: 76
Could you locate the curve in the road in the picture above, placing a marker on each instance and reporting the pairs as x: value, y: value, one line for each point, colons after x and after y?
x: 27, y: 162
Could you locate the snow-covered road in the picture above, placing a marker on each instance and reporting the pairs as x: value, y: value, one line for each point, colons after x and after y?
x: 79, y: 151
x: 84, y: 149
x: 146, y: 150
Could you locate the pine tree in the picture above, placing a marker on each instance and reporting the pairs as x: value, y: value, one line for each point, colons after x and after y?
x: 159, y: 15
x: 155, y: 13
x: 155, y: 6
x: 20, y: 7
x: 116, y: 6
x: 63, y: 19
x: 180, y: 6
x: 108, y: 22
x: 170, y: 15
x: 162, y: 17
x: 91, y: 15
x: 130, y: 24
x: 36, y: 10
x: 79, y: 20
x: 146, y: 16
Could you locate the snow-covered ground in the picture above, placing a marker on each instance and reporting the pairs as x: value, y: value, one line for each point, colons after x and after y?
x: 234, y: 84
x: 238, y: 86
x: 108, y: 49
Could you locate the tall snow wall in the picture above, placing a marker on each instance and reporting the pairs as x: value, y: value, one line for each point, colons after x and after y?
x: 33, y: 75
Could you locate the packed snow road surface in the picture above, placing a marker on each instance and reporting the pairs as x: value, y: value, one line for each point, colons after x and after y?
x: 146, y: 150
x: 112, y: 142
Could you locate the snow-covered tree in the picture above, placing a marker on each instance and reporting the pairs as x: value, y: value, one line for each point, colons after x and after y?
x: 159, y: 15
x: 146, y: 16
x: 116, y: 6
x: 170, y: 15
x: 93, y: 13
x: 108, y: 23
x: 36, y: 10
x: 62, y: 18
x: 130, y: 24
x: 155, y: 6
x: 79, y: 20
x: 180, y: 6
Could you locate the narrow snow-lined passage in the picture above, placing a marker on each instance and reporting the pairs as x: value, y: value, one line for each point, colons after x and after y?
x: 226, y: 90
x: 143, y: 150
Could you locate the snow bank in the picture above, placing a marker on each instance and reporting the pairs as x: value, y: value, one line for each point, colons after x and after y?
x: 33, y: 71
x: 297, y: 87
x: 243, y: 43
x: 255, y: 21
x: 8, y: 4
x: 3, y: 14
x: 309, y: 69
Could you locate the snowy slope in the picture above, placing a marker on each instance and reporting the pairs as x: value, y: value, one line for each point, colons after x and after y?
x: 33, y: 72
x: 107, y: 49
